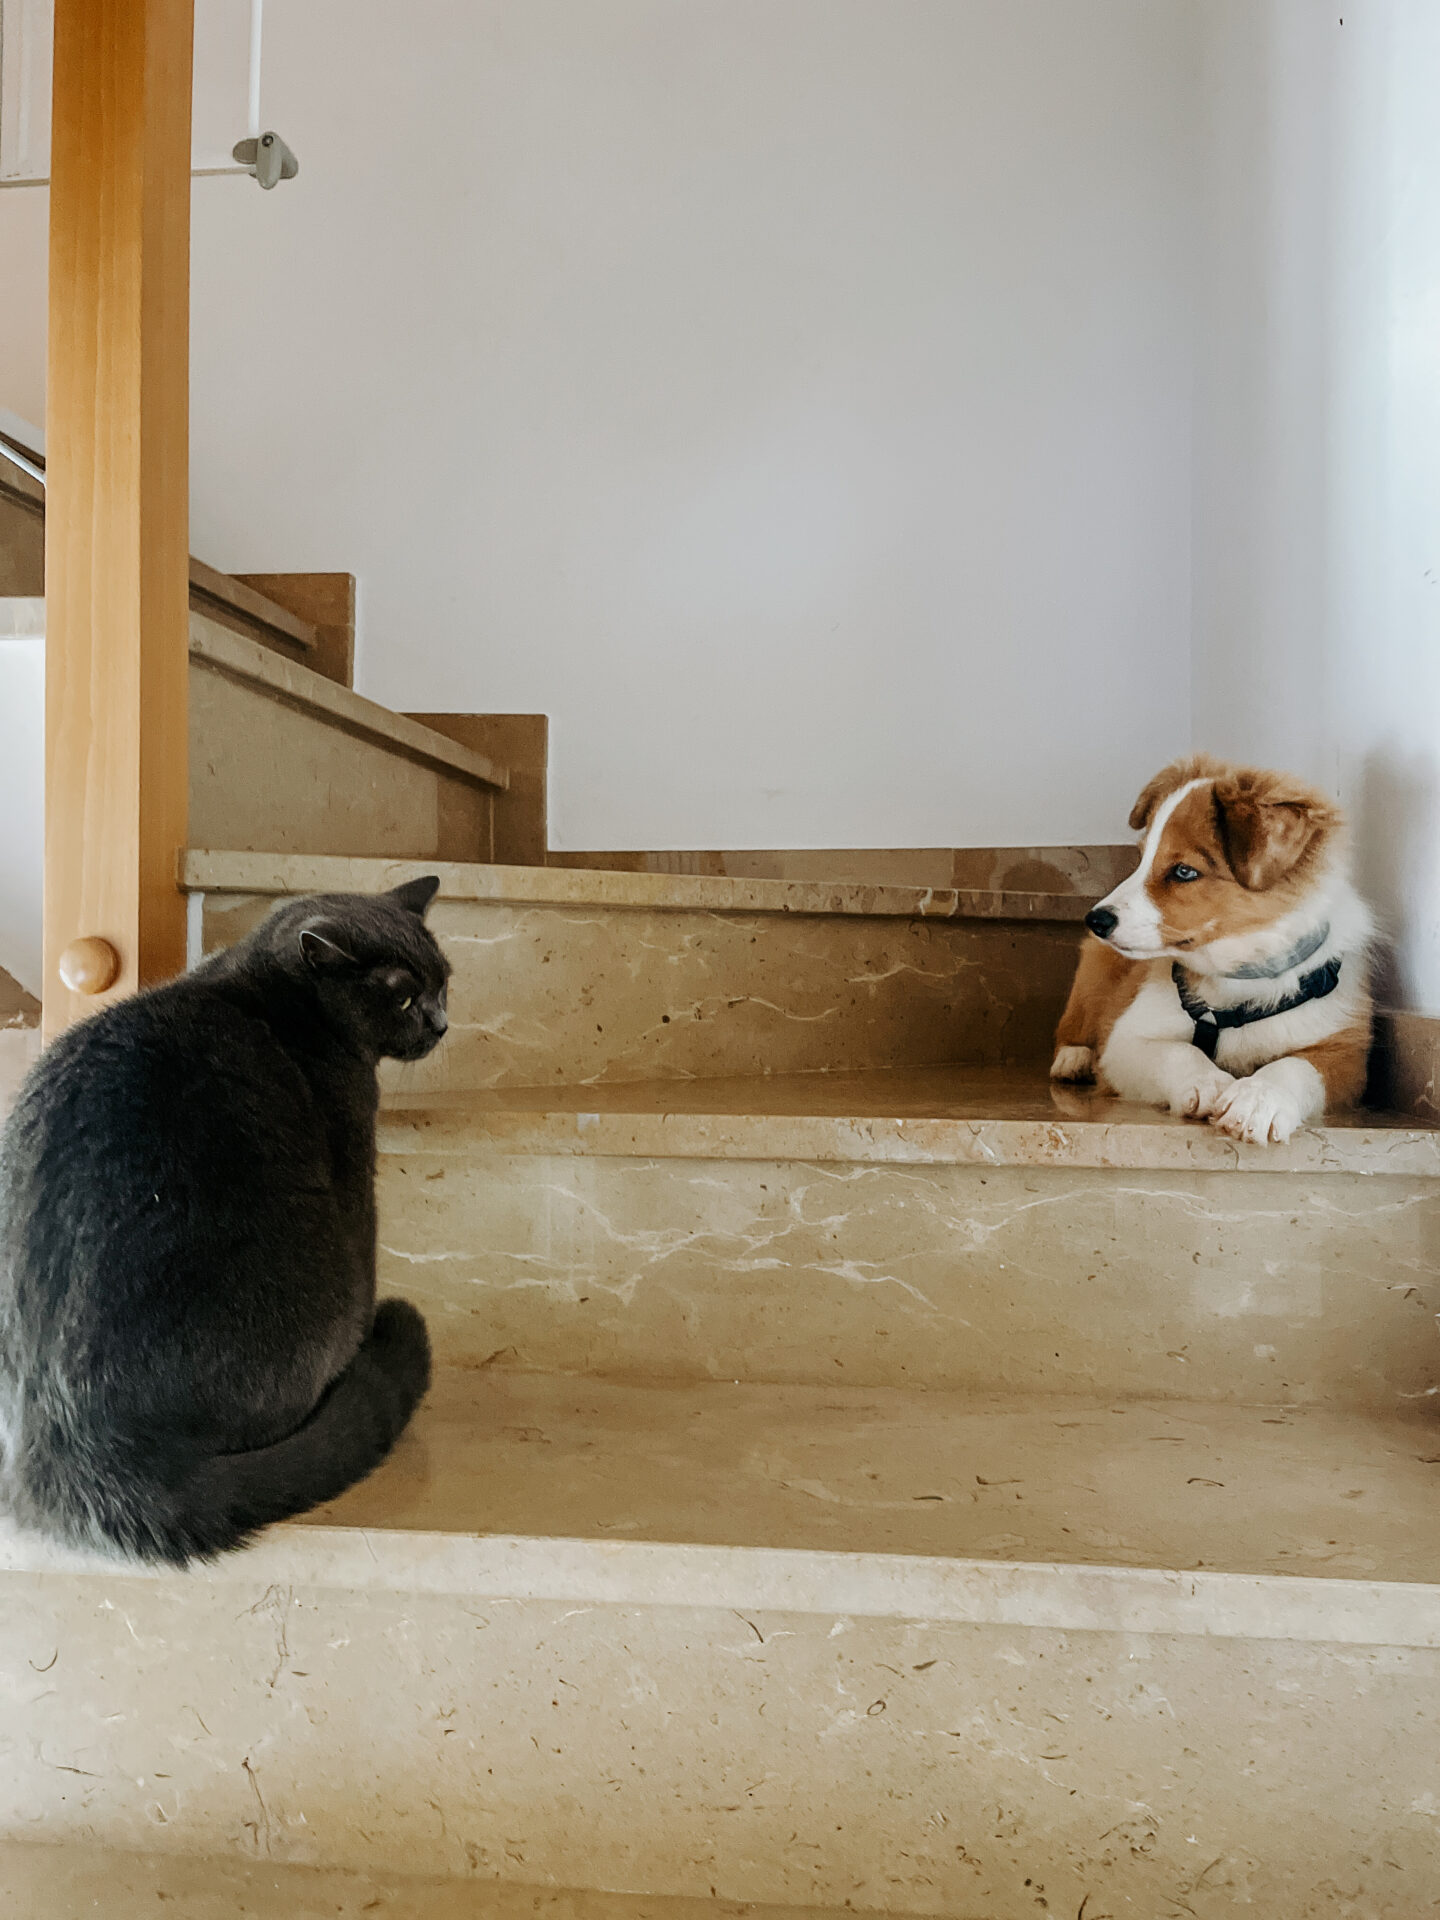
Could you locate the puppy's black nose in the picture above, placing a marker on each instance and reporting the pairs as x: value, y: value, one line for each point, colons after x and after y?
x: 1102, y: 921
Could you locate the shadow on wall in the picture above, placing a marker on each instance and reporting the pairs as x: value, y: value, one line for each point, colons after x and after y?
x: 1396, y: 848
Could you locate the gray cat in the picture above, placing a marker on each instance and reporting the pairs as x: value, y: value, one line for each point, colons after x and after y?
x: 189, y: 1342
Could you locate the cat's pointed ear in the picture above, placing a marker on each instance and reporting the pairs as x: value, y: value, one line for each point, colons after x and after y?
x: 323, y: 946
x: 416, y: 895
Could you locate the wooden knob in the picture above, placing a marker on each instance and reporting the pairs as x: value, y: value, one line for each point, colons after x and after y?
x: 90, y: 965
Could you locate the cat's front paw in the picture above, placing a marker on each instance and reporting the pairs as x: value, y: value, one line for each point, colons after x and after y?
x: 1198, y: 1093
x: 1258, y: 1113
x: 401, y: 1346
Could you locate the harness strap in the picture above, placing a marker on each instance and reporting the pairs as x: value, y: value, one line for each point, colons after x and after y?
x: 1210, y: 1021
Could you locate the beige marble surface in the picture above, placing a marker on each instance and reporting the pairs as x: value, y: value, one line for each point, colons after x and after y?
x: 40, y: 1882
x: 1281, y: 1288
x: 1056, y: 1484
x: 561, y: 992
x: 218, y: 871
x: 1086, y: 871
x: 906, y: 1766
x: 273, y: 773
x: 625, y: 1705
x: 922, y: 1115
x: 240, y: 658
x: 1175, y: 1485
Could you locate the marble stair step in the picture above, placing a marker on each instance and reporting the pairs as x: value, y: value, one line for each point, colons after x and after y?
x: 963, y: 1114
x: 944, y: 1227
x: 900, y: 1652
x: 1098, y: 1513
x: 568, y: 974
x: 1056, y: 1482
x: 39, y: 1882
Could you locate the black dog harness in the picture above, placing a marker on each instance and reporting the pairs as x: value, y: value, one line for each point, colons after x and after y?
x: 1210, y: 1022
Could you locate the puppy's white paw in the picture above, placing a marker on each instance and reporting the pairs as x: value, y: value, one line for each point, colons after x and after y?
x: 1258, y: 1113
x: 1073, y: 1063
x: 1201, y: 1092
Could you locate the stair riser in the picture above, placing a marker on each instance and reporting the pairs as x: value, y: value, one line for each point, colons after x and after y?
x: 280, y: 779
x: 548, y: 994
x: 974, y: 1771
x: 1259, y: 1287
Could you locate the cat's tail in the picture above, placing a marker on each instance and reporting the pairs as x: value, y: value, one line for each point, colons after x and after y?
x: 222, y: 1503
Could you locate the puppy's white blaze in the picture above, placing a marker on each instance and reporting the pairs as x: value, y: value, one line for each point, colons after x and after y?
x: 1137, y: 933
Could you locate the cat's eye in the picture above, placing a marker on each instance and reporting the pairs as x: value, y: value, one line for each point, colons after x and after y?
x: 407, y: 1001
x: 1182, y: 872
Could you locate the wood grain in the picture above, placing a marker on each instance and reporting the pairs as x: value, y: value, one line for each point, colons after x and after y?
x: 117, y: 430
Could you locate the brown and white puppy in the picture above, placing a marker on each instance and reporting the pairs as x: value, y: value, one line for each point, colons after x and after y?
x: 1227, y: 978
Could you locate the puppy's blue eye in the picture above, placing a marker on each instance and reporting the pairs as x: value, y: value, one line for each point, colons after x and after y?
x: 1182, y: 872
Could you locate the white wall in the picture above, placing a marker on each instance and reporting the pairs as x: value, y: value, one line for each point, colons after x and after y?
x: 1317, y: 561
x: 791, y: 397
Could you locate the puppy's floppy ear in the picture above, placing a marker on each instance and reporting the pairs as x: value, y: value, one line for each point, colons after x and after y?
x: 416, y: 895
x: 1179, y: 773
x: 1268, y: 823
x: 323, y: 945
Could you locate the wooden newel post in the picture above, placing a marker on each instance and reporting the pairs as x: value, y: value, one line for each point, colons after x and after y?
x: 117, y: 506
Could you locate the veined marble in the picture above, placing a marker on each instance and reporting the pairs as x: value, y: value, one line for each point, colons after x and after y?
x: 1279, y: 1288
x: 210, y: 872
x: 1217, y: 1673
x: 906, y: 1116
x: 548, y: 991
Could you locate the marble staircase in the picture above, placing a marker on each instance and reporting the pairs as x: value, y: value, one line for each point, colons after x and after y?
x: 858, y: 1475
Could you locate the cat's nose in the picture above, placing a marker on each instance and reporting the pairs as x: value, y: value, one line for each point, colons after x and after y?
x: 440, y: 1021
x: 1103, y: 921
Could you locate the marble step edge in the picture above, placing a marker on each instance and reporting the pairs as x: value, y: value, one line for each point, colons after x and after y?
x: 213, y: 870
x: 1069, y: 1597
x: 236, y: 655
x: 576, y: 1122
x: 240, y: 658
x: 58, y: 1880
x: 784, y: 1499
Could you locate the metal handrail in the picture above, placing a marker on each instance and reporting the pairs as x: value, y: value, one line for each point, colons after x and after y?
x: 31, y: 463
